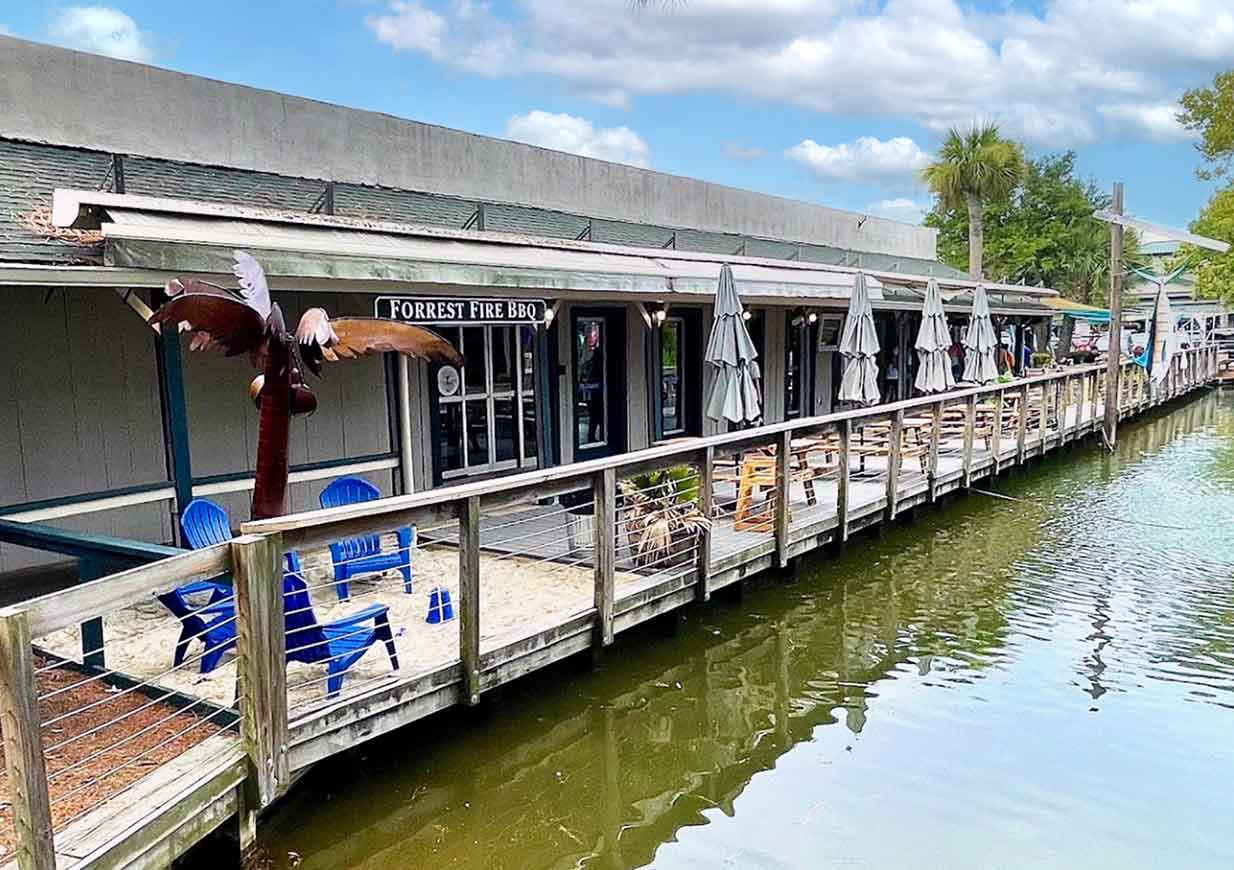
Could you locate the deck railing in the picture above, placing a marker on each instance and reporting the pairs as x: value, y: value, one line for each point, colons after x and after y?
x: 575, y: 573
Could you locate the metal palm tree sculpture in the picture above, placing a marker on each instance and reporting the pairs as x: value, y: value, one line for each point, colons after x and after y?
x: 248, y: 322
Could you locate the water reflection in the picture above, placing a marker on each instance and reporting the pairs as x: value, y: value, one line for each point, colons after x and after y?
x: 1006, y: 676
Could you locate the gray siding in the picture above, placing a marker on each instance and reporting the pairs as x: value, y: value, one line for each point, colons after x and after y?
x: 80, y: 408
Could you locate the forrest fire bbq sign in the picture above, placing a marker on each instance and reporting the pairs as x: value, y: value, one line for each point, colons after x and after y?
x: 461, y: 311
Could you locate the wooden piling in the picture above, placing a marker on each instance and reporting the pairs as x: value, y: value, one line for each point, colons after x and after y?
x: 469, y: 597
x: 604, y: 492
x: 261, y: 660
x: 706, y: 497
x: 894, y: 457
x: 23, y: 745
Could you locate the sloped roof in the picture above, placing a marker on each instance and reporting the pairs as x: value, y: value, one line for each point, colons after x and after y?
x: 30, y: 171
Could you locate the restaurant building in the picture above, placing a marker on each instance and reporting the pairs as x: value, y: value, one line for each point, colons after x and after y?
x: 577, y: 290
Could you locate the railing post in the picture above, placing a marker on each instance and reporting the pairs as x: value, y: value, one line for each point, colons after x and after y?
x: 783, y: 494
x: 970, y: 423
x: 23, y: 745
x: 706, y: 498
x: 92, y: 639
x: 1021, y: 426
x: 1095, y: 398
x: 842, y: 482
x: 896, y: 438
x: 604, y: 493
x: 1043, y: 422
x: 469, y: 597
x: 261, y: 659
x: 1064, y: 407
x: 996, y: 439
x: 936, y: 435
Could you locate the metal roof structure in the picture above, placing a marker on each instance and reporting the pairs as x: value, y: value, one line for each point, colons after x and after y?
x: 316, y: 251
x: 29, y: 172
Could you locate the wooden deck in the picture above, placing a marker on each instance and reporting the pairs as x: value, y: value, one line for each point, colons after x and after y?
x: 492, y: 545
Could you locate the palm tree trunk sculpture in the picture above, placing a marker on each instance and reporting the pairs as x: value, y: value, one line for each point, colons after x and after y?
x: 248, y: 322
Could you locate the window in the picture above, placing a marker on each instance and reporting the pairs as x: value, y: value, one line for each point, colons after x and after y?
x: 590, y: 383
x: 672, y: 421
x: 486, y: 413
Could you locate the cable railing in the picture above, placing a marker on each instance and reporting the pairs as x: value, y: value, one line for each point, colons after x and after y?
x: 270, y: 653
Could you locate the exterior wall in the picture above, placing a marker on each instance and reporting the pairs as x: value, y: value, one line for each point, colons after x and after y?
x: 80, y: 410
x: 773, y: 364
x: 50, y: 94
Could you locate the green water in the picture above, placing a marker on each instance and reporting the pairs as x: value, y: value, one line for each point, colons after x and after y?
x: 997, y: 684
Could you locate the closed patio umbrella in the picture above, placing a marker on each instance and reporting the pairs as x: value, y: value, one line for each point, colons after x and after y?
x: 1164, y: 341
x: 859, y: 346
x: 933, y: 341
x: 734, y: 394
x: 979, y: 342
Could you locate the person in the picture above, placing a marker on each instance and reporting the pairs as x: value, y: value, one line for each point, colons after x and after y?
x: 956, y: 352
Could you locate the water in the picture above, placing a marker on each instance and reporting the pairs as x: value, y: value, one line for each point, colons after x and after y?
x: 999, y: 684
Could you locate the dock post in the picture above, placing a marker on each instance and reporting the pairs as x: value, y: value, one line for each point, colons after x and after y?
x: 469, y: 597
x: 1021, y: 426
x: 1095, y: 398
x: 842, y: 482
x: 936, y: 435
x: 604, y: 492
x: 1114, y: 354
x: 261, y: 662
x: 783, y: 495
x: 706, y: 496
x: 996, y: 438
x: 23, y: 745
x: 1064, y: 407
x: 970, y: 424
x: 896, y: 437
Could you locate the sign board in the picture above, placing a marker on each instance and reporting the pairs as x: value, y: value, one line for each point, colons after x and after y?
x: 459, y: 310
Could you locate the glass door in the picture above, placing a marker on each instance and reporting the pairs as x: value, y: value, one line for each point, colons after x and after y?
x: 599, y: 394
x: 486, y: 413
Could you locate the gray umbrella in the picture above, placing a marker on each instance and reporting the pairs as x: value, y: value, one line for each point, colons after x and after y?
x: 933, y: 340
x: 859, y: 346
x: 979, y: 342
x: 734, y: 395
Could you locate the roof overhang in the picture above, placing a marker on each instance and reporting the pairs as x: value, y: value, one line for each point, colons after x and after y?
x: 313, y: 251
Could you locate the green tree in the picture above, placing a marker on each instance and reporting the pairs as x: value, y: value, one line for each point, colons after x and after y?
x: 1214, y: 273
x: 1043, y: 233
x: 974, y: 169
x: 1210, y: 112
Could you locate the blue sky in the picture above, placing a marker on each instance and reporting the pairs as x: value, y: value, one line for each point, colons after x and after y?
x: 835, y: 101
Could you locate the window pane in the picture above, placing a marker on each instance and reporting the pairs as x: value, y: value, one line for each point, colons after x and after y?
x: 590, y: 411
x: 527, y: 340
x: 504, y: 360
x: 505, y: 433
x: 670, y: 377
x: 474, y: 362
x: 477, y: 433
x: 530, y: 432
x: 450, y: 417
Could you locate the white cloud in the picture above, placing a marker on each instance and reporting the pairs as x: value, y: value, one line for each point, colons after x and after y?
x: 563, y: 132
x: 1157, y: 122
x: 891, y: 163
x: 1042, y: 73
x: 102, y: 30
x: 899, y: 209
x: 742, y: 153
x: 467, y: 35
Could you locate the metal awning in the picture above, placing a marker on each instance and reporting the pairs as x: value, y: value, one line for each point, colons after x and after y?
x: 312, y: 251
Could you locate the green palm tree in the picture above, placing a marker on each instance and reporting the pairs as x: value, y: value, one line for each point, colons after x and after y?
x: 972, y: 169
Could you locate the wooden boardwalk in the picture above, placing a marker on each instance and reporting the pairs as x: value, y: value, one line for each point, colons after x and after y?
x: 530, y: 584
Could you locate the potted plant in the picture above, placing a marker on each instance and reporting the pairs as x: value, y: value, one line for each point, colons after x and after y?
x: 661, y: 516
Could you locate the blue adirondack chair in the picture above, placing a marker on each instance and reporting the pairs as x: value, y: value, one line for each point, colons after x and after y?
x: 339, y: 644
x: 204, y: 523
x: 363, y: 555
x: 214, y: 624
